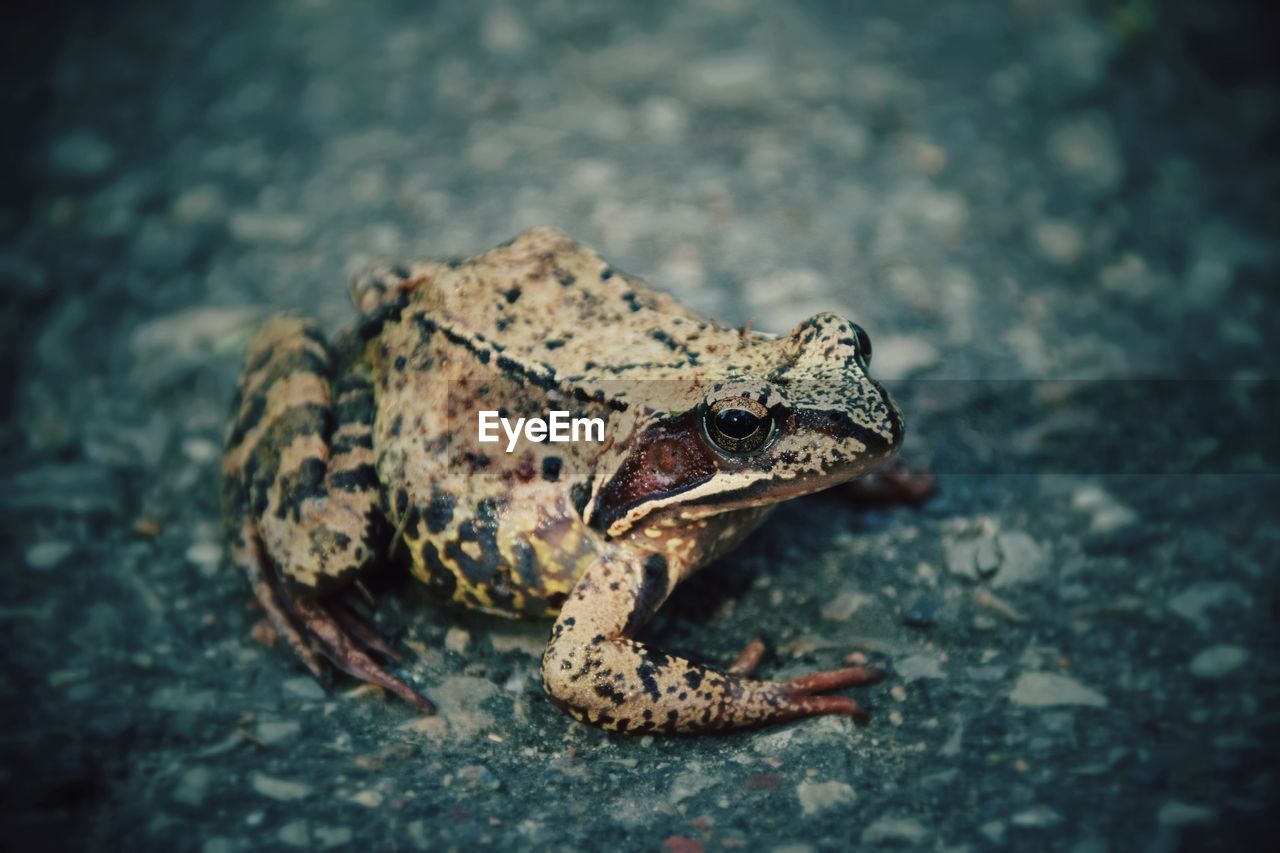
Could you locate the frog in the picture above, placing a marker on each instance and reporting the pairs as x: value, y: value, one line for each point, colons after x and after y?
x: 361, y: 451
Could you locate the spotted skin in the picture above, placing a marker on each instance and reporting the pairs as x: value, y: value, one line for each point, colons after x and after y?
x: 338, y: 456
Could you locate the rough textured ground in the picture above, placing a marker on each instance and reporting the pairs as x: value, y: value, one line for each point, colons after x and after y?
x: 1083, y: 658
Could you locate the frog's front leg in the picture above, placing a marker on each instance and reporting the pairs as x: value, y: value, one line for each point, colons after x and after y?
x: 596, y: 670
x: 301, y: 499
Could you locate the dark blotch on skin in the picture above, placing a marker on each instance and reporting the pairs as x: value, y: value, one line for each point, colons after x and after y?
x: 512, y: 295
x: 551, y: 466
x: 650, y: 595
x: 440, y: 511
x: 355, y: 479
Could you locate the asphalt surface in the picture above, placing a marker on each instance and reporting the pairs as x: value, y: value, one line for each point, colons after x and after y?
x: 1081, y: 625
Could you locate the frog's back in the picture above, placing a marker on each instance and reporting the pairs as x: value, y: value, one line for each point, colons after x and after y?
x: 543, y: 298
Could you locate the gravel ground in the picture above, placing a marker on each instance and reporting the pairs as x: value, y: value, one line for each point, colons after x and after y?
x: 1081, y: 625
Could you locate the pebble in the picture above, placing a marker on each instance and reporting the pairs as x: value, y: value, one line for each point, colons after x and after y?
x: 901, y: 356
x: 916, y: 667
x: 206, y: 556
x: 193, y: 787
x: 1176, y: 813
x: 304, y: 687
x: 296, y: 833
x: 819, y: 796
x: 332, y: 836
x: 82, y: 154
x: 369, y: 798
x: 271, y: 732
x: 844, y: 605
x: 1059, y: 242
x: 1022, y: 559
x: 687, y: 784
x: 890, y: 830
x: 1218, y: 661
x: 199, y: 204
x: 504, y: 32
x: 457, y: 640
x: 279, y: 789
x: 1046, y: 689
x: 1036, y: 817
x: 728, y: 80
x: 477, y: 777
x: 1085, y: 148
x: 1108, y: 513
x: 43, y: 556
x: 1195, y: 602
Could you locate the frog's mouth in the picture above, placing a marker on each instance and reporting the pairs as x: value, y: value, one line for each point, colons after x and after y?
x: 676, y: 472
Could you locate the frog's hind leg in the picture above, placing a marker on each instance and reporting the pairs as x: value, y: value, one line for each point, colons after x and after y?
x: 302, y: 500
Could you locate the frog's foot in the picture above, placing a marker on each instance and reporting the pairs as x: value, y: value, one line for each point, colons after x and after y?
x: 597, y: 672
x: 893, y: 483
x: 319, y: 630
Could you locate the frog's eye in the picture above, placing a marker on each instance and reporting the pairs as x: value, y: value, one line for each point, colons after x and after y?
x: 738, y: 425
x: 864, y: 344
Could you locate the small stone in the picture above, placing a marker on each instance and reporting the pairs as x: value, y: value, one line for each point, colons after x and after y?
x: 916, y: 667
x: 1036, y: 817
x: 457, y: 640
x: 477, y: 777
x: 199, y: 450
x: 256, y: 227
x: 504, y: 32
x: 82, y: 154
x: 193, y: 787
x: 1046, y: 689
x: 1108, y: 513
x: 993, y: 831
x: 889, y: 830
x: 207, y: 556
x: 303, y: 687
x: 901, y: 356
x: 687, y: 784
x: 1022, y: 559
x: 369, y: 798
x: 279, y: 789
x: 986, y: 557
x: 1195, y: 602
x: 271, y: 732
x: 296, y: 833
x: 332, y: 836
x: 923, y: 612
x: 1085, y: 148
x: 199, y: 204
x: 844, y: 605
x: 729, y: 80
x: 43, y: 556
x: 1218, y: 661
x: 1175, y: 813
x: 1059, y: 242
x: 818, y: 796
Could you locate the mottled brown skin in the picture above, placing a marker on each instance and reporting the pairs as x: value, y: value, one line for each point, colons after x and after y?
x: 340, y: 456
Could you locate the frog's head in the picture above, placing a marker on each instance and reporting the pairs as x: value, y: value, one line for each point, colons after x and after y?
x: 786, y: 416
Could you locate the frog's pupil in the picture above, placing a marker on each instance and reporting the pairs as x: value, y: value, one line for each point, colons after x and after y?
x: 736, y: 423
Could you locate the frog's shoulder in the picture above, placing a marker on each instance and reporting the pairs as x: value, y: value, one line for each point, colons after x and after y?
x: 542, y: 298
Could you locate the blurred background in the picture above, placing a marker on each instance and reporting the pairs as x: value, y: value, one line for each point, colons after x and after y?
x: 994, y: 189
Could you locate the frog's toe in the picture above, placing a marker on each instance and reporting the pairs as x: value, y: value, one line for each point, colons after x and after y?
x: 801, y: 693
x: 748, y: 660
x: 344, y: 646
